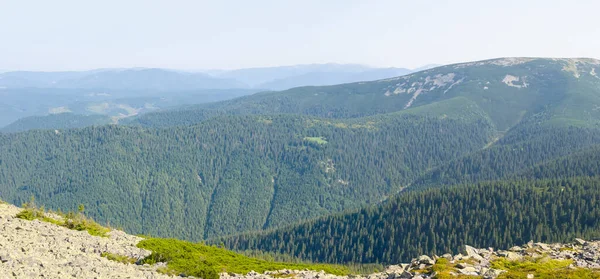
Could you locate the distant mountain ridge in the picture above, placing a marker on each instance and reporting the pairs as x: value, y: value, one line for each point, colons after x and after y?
x: 155, y: 79
x: 274, y: 78
x: 509, y: 90
x: 103, y: 91
x: 285, y: 77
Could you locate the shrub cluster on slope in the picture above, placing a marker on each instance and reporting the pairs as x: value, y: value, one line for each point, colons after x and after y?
x: 73, y: 221
x: 197, y: 259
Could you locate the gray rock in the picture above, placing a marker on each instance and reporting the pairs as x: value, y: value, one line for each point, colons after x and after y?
x: 492, y: 273
x: 463, y: 265
x: 4, y: 257
x: 35, y: 249
x: 513, y: 256
x: 473, y: 253
x: 447, y: 256
x: 542, y: 246
x: 392, y: 269
x: 469, y: 270
x: 425, y: 260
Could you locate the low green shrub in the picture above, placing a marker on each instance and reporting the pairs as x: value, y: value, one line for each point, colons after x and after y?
x: 118, y: 258
x: 196, y: 259
x: 84, y: 224
x: 71, y: 220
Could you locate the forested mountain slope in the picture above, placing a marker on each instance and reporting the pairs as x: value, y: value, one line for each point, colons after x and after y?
x: 233, y: 173
x: 275, y: 158
x: 585, y: 162
x: 442, y: 220
x: 508, y: 90
x: 522, y: 148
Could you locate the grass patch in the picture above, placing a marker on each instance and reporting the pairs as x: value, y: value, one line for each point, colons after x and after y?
x: 118, y: 258
x: 196, y: 259
x: 73, y: 221
x: 317, y: 140
x: 542, y: 268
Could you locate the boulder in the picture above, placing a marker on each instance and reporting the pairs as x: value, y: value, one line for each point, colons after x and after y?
x: 463, y: 265
x: 473, y: 252
x: 512, y: 256
x: 425, y: 260
x: 492, y: 273
x: 543, y: 246
x: 405, y: 275
x: 393, y: 269
x: 515, y: 249
x: 469, y: 270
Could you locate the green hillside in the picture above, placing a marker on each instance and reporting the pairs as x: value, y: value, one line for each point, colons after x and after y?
x: 582, y: 163
x: 523, y: 147
x: 232, y: 174
x: 442, y: 220
x: 508, y: 90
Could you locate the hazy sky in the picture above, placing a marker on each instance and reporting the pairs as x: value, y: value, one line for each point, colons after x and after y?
x: 71, y: 35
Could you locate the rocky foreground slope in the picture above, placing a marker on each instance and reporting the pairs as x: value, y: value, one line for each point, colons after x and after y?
x: 37, y: 249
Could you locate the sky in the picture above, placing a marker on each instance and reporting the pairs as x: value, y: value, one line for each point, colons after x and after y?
x: 226, y: 34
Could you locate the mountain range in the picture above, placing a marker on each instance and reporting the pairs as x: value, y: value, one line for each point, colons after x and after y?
x: 337, y: 173
x: 120, y: 93
x: 510, y: 91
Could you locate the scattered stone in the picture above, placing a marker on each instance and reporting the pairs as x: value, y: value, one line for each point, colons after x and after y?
x: 515, y: 249
x: 512, y: 256
x: 469, y: 270
x: 542, y: 246
x: 473, y: 253
x: 425, y: 260
x: 34, y: 249
x: 463, y: 265
x: 492, y: 273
